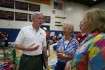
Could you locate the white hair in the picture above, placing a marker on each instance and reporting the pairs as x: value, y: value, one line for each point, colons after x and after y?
x: 69, y: 25
x: 35, y: 14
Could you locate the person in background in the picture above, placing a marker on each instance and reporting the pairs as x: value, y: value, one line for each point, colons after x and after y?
x: 66, y: 46
x: 6, y: 39
x: 55, y: 39
x: 81, y: 35
x: 59, y: 36
x: 90, y: 55
x: 32, y: 41
x: 47, y: 41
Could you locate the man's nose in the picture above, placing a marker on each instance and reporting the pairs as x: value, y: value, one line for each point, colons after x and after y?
x: 42, y: 20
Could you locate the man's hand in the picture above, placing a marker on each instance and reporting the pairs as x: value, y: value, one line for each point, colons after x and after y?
x: 32, y: 47
x: 46, y: 62
x: 48, y: 53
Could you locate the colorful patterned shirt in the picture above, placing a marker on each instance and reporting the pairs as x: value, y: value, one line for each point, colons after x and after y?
x: 91, y: 54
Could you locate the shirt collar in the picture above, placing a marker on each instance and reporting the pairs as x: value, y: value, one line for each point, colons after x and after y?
x: 31, y: 27
x: 90, y: 36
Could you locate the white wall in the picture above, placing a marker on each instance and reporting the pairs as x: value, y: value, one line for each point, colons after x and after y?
x: 74, y: 13
x: 45, y: 9
x: 57, y: 13
x: 13, y: 24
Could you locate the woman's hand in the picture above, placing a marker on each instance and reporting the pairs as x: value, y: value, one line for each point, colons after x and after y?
x: 60, y: 55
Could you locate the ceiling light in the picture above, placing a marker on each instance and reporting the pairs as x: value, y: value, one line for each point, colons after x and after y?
x: 94, y: 0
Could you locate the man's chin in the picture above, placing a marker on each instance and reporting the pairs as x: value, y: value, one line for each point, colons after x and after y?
x: 40, y: 23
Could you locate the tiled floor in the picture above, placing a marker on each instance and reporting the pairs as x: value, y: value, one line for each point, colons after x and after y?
x: 52, y: 59
x: 52, y: 54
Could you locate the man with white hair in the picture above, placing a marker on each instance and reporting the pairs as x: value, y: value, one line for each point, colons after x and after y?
x: 32, y: 41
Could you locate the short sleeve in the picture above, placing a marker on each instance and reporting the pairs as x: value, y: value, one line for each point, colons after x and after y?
x: 20, y: 37
x: 44, y: 41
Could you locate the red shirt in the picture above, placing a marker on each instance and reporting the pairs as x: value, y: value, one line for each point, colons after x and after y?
x: 80, y: 37
x: 47, y: 35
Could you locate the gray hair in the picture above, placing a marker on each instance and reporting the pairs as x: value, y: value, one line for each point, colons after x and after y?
x: 70, y: 26
x: 96, y: 19
x: 35, y: 14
